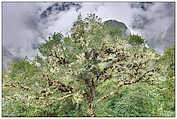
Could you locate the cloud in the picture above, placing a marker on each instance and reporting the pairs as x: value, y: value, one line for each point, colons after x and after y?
x: 20, y: 27
x: 156, y: 25
x: 24, y: 28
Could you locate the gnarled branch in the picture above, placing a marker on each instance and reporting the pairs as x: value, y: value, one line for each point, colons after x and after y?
x: 123, y: 84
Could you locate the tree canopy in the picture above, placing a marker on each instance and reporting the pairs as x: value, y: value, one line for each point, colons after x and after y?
x: 89, y: 73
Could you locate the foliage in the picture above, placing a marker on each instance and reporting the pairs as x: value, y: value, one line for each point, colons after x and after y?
x: 46, y: 47
x: 21, y: 67
x: 115, y: 28
x: 89, y: 73
x: 167, y: 62
x: 136, y: 40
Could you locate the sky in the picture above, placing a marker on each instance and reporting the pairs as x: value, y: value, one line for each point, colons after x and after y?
x: 25, y: 25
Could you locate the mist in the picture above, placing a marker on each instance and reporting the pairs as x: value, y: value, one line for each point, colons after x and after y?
x: 24, y: 29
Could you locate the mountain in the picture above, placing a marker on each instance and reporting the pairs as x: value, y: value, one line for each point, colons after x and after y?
x: 118, y: 26
x: 59, y: 7
x: 7, y: 58
x: 142, y: 5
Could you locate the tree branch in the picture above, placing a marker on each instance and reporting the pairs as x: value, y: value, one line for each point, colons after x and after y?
x: 60, y: 86
x: 122, y: 84
x: 60, y: 99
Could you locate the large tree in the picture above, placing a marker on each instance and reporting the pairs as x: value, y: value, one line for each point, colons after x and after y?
x: 86, y: 67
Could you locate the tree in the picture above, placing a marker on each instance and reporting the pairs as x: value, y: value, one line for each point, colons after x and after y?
x: 87, y: 67
x: 136, y: 40
x: 167, y: 66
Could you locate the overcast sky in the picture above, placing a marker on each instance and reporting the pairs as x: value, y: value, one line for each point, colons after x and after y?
x: 24, y: 28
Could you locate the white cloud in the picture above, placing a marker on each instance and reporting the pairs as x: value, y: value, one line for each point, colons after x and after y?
x: 23, y: 28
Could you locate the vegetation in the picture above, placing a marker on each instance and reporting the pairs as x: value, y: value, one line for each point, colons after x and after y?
x: 116, y: 28
x: 136, y: 40
x: 91, y: 73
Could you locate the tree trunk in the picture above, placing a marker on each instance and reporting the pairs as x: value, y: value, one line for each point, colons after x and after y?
x: 92, y: 112
x: 92, y: 91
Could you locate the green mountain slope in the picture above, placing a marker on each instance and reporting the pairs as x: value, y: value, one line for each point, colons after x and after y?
x: 118, y: 27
